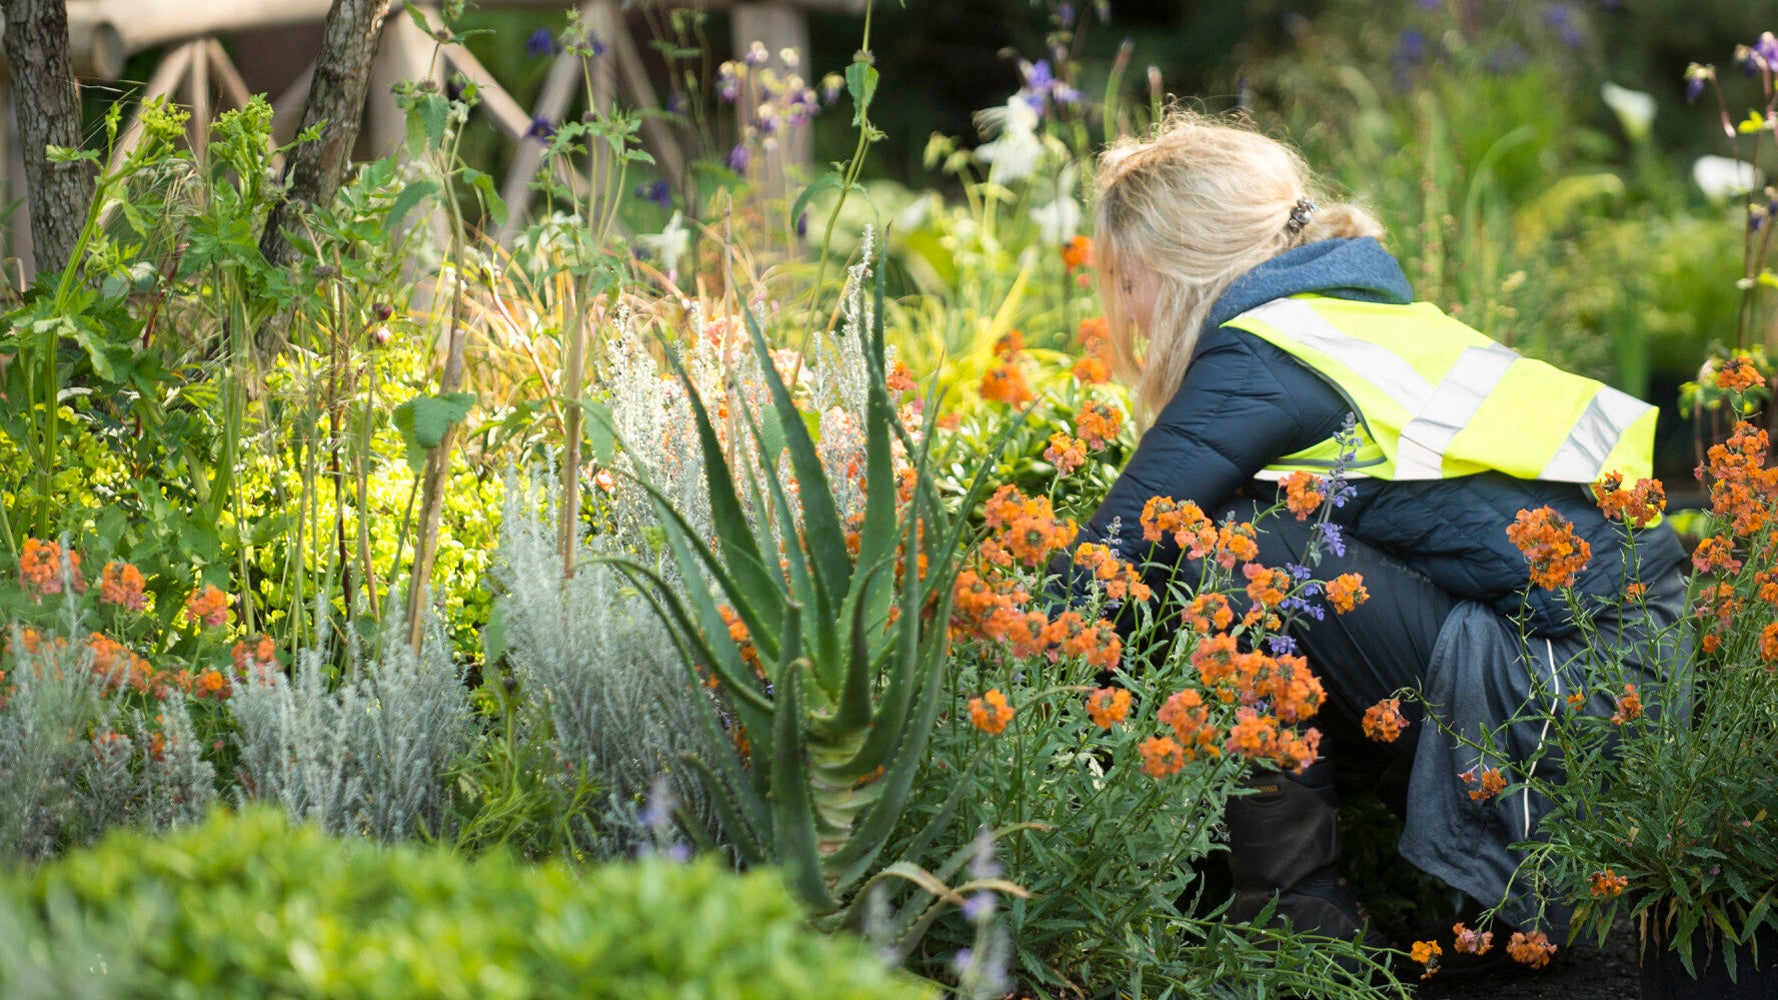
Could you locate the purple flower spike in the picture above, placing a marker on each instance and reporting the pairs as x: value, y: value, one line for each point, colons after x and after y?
x: 541, y: 43
x: 739, y: 158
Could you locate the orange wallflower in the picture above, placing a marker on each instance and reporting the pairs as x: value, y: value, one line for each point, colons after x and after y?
x: 737, y: 633
x: 1006, y: 384
x: 40, y: 568
x: 1236, y: 543
x: 1638, y: 506
x: 1186, y: 522
x: 1556, y: 553
x: 1266, y: 587
x: 211, y: 684
x: 1492, y: 783
x: 121, y: 584
x: 1346, y: 592
x: 1629, y: 706
x: 1186, y: 713
x: 1094, y: 365
x: 1742, y: 489
x: 1384, y: 722
x: 1716, y: 554
x: 990, y: 713
x: 1077, y: 252
x: 1738, y: 374
x: 1634, y: 592
x: 1533, y: 949
x: 1098, y: 423
x: 1209, y: 612
x: 1009, y: 344
x: 900, y: 379
x: 1426, y: 953
x: 1470, y: 942
x: 1119, y: 578
x: 1065, y: 453
x: 207, y: 605
x: 1162, y: 757
x: 1768, y: 643
x: 1303, y: 492
x: 1608, y: 883
x: 1091, y: 371
x: 1108, y: 706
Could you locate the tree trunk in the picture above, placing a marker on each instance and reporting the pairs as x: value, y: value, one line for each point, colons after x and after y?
x: 48, y: 108
x: 342, y: 75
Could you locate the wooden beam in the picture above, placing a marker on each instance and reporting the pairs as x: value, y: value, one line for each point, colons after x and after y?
x: 228, y: 78
x: 167, y: 77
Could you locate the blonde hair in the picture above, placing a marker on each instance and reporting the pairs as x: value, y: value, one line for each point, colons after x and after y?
x: 1199, y: 202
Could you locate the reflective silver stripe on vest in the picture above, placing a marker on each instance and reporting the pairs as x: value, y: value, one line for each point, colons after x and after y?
x: 1421, y: 451
x: 1297, y: 320
x: 1581, y: 458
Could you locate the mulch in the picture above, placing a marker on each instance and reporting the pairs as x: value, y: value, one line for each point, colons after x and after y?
x: 1581, y: 971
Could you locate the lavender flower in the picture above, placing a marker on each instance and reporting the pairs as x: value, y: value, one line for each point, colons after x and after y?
x: 1281, y: 645
x: 541, y: 43
x: 739, y: 158
x: 978, y: 907
x: 1327, y: 535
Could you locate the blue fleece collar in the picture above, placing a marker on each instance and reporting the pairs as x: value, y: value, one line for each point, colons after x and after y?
x: 1357, y: 269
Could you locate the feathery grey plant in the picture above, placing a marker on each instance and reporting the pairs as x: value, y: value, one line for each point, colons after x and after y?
x: 593, y: 658
x: 370, y: 757
x: 53, y: 703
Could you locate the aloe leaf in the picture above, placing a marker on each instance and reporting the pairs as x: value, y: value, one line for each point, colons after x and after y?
x: 793, y: 811
x: 821, y: 517
x: 736, y: 830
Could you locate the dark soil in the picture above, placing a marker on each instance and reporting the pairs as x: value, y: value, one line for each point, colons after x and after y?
x: 1581, y: 971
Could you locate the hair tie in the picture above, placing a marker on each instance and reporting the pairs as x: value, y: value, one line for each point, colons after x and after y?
x: 1299, y: 216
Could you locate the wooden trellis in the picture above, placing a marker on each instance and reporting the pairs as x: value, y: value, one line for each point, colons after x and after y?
x: 195, y: 71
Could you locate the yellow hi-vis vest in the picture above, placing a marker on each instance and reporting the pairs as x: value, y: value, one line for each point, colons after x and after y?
x: 1436, y: 399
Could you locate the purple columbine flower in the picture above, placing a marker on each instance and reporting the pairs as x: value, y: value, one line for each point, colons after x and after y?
x: 659, y: 192
x: 739, y: 158
x: 542, y: 129
x: 541, y: 43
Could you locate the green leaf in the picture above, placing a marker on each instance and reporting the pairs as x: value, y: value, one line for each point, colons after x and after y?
x: 861, y: 83
x: 425, y: 420
x: 484, y: 183
x: 598, y: 428
x: 828, y: 180
x: 411, y: 195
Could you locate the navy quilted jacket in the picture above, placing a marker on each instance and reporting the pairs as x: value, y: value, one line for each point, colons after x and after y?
x: 1245, y: 403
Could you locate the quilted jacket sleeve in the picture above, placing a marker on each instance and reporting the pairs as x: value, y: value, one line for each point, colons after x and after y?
x: 1243, y: 403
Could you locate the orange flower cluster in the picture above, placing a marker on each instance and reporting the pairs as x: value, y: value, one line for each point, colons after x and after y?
x: 1097, y: 423
x: 1738, y: 374
x: 1716, y: 554
x: 1768, y: 643
x: 121, y: 584
x: 1346, y: 592
x: 1608, y: 883
x: 1384, y: 722
x: 1030, y: 531
x: 1470, y: 942
x: 1556, y: 553
x: 40, y: 568
x: 1186, y: 713
x: 1186, y: 522
x: 208, y: 684
x: 989, y: 608
x: 1303, y: 493
x: 1065, y: 453
x: 1492, y: 783
x: 1005, y: 383
x: 1629, y: 706
x: 1094, y: 366
x: 990, y: 713
x: 119, y: 667
x: 1742, y: 489
x: 900, y: 379
x: 1209, y: 613
x: 1009, y: 345
x: 1266, y: 588
x: 208, y: 605
x: 1119, y: 578
x: 1108, y: 706
x: 1723, y: 604
x: 1162, y: 756
x: 1253, y: 678
x: 1259, y: 737
x: 1533, y: 949
x: 1639, y: 506
x: 1077, y: 253
x: 1426, y: 953
x: 256, y: 660
x: 743, y: 640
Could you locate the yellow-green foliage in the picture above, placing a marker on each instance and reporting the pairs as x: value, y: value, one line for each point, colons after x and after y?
x: 249, y: 906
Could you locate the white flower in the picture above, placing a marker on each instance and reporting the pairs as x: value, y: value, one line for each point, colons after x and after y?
x: 1015, y: 153
x: 1635, y: 110
x: 1059, y: 220
x: 1721, y: 177
x: 670, y: 244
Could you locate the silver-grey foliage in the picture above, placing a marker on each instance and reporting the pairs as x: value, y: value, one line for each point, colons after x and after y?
x: 371, y: 756
x: 593, y: 659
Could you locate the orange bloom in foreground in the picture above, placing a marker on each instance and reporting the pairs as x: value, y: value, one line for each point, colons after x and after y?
x: 1065, y: 453
x: 1302, y: 493
x: 1492, y: 783
x: 1346, y: 592
x: 1426, y: 953
x: 1738, y: 374
x: 1556, y: 553
x: 1108, y: 706
x: 1384, y: 722
x: 990, y: 713
x: 1097, y: 423
x: 1006, y: 384
x: 1629, y: 706
x: 207, y: 605
x: 1162, y: 756
x: 1608, y: 883
x: 1533, y: 949
x: 1468, y: 942
x: 1638, y: 506
x: 40, y: 568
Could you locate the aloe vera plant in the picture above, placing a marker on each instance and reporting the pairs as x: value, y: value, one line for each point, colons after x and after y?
x: 853, y: 647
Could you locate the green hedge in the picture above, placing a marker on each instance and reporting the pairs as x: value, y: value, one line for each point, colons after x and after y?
x: 249, y: 906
